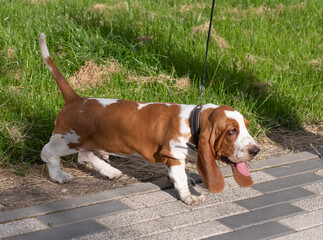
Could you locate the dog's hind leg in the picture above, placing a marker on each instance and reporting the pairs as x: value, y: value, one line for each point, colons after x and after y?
x: 51, y: 153
x: 104, y: 168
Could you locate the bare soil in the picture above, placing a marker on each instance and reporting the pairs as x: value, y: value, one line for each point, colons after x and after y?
x: 36, y: 187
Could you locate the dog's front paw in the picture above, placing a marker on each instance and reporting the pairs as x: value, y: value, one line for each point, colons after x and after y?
x: 62, y: 177
x: 194, y: 200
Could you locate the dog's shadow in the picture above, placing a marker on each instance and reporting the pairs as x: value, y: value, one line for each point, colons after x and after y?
x: 143, y: 171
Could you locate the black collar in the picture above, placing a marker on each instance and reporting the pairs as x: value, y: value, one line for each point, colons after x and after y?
x: 195, y: 127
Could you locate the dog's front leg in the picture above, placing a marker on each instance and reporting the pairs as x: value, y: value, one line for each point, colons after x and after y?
x: 178, y: 176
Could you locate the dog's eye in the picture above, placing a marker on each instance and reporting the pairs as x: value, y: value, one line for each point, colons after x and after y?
x: 233, y: 131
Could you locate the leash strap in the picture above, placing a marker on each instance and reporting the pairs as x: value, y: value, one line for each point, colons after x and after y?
x: 206, y: 51
x: 195, y: 116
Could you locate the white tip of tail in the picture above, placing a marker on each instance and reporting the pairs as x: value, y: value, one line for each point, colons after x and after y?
x: 43, y: 46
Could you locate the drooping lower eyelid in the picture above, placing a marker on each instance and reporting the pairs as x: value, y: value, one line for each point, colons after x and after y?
x: 233, y: 131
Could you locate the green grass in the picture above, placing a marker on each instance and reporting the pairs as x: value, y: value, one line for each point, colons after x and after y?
x: 266, y: 72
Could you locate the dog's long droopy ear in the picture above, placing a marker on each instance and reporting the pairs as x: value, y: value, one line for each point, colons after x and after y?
x: 242, y: 180
x: 206, y: 165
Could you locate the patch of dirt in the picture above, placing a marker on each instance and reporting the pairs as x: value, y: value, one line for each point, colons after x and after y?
x: 16, y: 134
x: 183, y: 82
x: 36, y: 187
x: 253, y: 58
x: 92, y: 75
x: 316, y: 63
x: 104, y: 8
x: 10, y: 53
x: 99, y: 6
x: 204, y: 28
x: 189, y: 7
x: 240, y: 13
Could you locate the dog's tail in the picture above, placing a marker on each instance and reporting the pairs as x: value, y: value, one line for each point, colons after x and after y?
x: 67, y: 91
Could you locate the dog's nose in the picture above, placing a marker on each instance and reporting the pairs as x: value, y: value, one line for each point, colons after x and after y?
x: 254, y: 151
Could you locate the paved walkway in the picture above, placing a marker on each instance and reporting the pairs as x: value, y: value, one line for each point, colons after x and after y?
x: 286, y: 202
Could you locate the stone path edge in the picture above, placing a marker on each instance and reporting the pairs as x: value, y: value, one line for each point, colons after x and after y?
x: 140, y: 188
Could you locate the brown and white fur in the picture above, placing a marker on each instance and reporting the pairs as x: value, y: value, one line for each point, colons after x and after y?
x: 158, y: 132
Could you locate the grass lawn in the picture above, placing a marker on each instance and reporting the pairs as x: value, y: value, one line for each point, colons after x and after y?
x: 265, y: 60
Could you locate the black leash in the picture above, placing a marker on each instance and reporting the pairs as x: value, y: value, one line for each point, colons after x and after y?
x: 195, y: 115
x: 206, y: 52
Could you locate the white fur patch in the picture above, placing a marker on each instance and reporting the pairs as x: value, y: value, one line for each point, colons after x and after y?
x: 59, y: 143
x: 209, y: 105
x: 178, y: 175
x: 104, y: 101
x: 72, y: 137
x: 44, y: 50
x: 56, y: 148
x: 244, y: 139
x: 184, y: 116
x: 142, y: 105
x: 178, y: 149
x: 43, y: 46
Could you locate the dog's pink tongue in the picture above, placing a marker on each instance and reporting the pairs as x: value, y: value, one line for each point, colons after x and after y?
x: 242, y: 168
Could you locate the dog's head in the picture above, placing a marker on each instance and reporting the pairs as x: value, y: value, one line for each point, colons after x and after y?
x: 224, y: 136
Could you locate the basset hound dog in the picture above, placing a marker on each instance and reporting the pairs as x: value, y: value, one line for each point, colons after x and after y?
x: 159, y: 132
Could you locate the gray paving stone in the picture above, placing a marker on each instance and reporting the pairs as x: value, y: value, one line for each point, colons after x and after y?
x: 311, y: 234
x: 260, y: 216
x: 197, y: 231
x: 287, y: 182
x: 129, y: 218
x: 296, y: 168
x: 129, y: 232
x: 123, y: 192
x: 36, y: 210
x: 228, y: 195
x: 274, y: 198
x: 258, y: 232
x: 276, y: 161
x: 20, y: 227
x: 83, y: 213
x: 310, y: 203
x: 75, y: 202
x: 258, y: 177
x: 65, y: 232
x: 202, y: 215
x: 283, y: 160
x: 304, y: 221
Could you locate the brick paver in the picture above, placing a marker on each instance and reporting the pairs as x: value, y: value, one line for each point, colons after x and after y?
x: 261, y: 231
x: 274, y: 198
